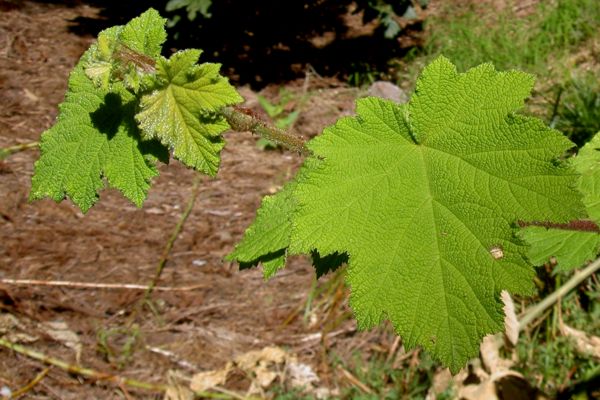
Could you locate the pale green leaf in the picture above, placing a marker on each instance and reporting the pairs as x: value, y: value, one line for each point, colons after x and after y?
x: 181, y: 110
x: 423, y: 198
x: 145, y: 34
x: 127, y: 53
x: 94, y: 136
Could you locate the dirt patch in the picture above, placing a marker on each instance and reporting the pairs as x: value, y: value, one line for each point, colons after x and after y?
x: 229, y: 313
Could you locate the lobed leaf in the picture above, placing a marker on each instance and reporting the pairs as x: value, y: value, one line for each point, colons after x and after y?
x: 181, y: 110
x: 95, y: 136
x: 423, y: 198
x: 127, y: 53
x: 267, y: 240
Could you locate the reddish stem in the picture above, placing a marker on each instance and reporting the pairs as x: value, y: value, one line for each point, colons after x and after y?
x: 577, y: 225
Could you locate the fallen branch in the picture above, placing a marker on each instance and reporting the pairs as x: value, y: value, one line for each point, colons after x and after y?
x: 91, y: 285
x: 532, y: 312
x: 75, y: 369
x: 97, y: 375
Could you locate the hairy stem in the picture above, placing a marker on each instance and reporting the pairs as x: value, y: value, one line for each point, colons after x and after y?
x: 241, y: 121
x: 577, y: 225
x: 534, y: 311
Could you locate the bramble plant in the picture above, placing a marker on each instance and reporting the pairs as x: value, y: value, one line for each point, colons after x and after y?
x: 422, y: 200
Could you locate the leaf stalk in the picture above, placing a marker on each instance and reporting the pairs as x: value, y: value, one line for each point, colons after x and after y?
x: 242, y: 120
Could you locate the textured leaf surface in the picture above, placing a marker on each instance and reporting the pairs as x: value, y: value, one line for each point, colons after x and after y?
x: 572, y: 248
x: 145, y: 34
x: 181, y: 111
x: 587, y: 163
x: 94, y: 136
x: 128, y: 52
x: 423, y: 197
x: 267, y: 240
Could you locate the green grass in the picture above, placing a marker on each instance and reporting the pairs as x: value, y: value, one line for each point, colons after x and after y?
x: 509, y: 41
x: 578, y: 110
x: 552, y: 362
x: 385, y: 382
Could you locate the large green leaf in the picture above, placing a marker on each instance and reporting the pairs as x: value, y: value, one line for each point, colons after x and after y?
x: 424, y: 197
x: 181, y: 110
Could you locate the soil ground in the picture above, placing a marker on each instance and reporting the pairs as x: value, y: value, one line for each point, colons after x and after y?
x: 229, y: 312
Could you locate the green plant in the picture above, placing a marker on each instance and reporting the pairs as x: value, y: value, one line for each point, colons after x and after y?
x: 118, y: 344
x: 511, y: 41
x: 578, y: 113
x: 192, y: 8
x: 362, y: 75
x: 387, y: 12
x: 422, y: 200
x: 278, y: 114
x: 381, y: 380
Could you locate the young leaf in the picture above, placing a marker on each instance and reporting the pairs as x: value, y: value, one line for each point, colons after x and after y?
x: 181, y: 109
x: 145, y: 34
x: 128, y: 53
x: 95, y: 135
x: 423, y: 199
x: 571, y: 248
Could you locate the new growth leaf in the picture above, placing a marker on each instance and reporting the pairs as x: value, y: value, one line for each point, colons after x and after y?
x: 97, y: 134
x: 181, y: 111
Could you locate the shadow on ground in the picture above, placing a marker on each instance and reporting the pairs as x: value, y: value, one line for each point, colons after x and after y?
x: 270, y: 41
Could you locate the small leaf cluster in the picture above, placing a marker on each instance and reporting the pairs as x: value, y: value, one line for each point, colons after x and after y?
x: 126, y: 108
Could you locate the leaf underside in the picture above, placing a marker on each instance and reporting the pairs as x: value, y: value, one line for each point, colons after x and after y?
x: 572, y: 249
x: 423, y: 197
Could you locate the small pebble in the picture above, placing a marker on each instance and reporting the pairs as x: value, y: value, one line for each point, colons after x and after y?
x: 5, y: 392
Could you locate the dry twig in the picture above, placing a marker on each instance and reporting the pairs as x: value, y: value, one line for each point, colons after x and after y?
x: 92, y: 285
x: 31, y: 384
x: 97, y: 375
x: 532, y: 312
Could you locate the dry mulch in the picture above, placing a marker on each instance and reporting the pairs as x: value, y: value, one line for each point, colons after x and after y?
x: 230, y: 313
